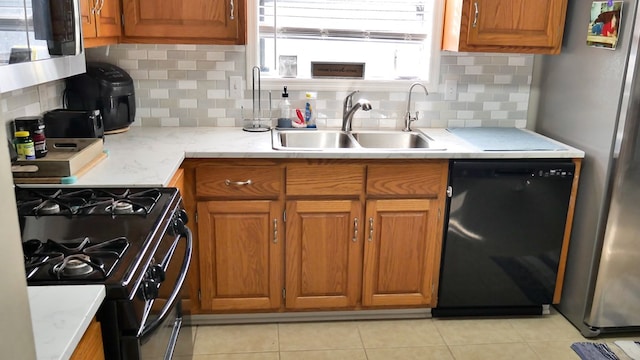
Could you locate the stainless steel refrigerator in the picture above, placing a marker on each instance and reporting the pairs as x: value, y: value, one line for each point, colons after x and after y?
x: 589, y: 97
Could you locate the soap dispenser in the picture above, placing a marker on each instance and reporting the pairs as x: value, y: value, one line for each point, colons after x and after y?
x: 284, y: 121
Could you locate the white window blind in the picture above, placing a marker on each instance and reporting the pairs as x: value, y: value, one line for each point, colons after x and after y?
x: 393, y: 38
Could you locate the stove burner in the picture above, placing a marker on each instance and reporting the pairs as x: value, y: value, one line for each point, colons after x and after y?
x: 49, y: 207
x: 121, y: 207
x: 73, y: 266
x: 73, y: 259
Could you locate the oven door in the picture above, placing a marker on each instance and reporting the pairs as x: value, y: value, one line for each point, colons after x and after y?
x: 161, y: 334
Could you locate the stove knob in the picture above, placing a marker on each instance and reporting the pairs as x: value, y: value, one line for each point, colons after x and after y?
x: 149, y: 289
x: 179, y: 220
x: 155, y: 273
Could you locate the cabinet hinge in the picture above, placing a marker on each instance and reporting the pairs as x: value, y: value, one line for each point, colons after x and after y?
x: 449, y: 191
x: 284, y: 216
x: 438, y: 213
x: 284, y: 293
x: 199, y: 295
x: 122, y: 20
x: 196, y: 217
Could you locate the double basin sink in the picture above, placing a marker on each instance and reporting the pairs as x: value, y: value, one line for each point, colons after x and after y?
x: 352, y: 141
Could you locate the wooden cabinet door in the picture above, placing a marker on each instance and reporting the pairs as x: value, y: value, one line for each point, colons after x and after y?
x: 323, y: 254
x: 204, y: 19
x: 108, y: 20
x: 535, y: 23
x: 401, y: 252
x: 87, y: 17
x: 240, y: 256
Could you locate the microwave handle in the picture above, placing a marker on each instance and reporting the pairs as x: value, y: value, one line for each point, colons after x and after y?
x: 188, y: 236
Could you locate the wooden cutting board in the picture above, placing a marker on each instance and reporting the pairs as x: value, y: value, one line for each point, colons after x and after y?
x: 66, y: 158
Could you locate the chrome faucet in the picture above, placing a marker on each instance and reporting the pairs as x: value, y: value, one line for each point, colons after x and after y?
x: 407, y: 117
x: 348, y: 109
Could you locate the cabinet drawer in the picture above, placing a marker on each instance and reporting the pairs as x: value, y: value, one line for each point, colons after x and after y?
x: 246, y: 182
x: 330, y: 179
x: 428, y: 179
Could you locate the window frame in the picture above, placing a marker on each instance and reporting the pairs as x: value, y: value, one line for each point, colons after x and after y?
x: 268, y: 83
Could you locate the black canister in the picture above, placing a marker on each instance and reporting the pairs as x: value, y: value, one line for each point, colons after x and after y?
x: 35, y: 126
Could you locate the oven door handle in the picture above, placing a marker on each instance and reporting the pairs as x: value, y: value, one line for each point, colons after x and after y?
x: 185, y: 234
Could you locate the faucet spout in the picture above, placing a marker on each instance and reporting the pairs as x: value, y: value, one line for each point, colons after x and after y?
x: 348, y: 109
x: 347, y: 118
x: 407, y: 117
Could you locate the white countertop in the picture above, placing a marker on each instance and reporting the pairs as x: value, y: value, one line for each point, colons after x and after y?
x: 148, y: 156
x: 61, y: 315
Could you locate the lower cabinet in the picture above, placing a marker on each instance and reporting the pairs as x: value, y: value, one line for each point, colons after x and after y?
x: 90, y: 346
x: 293, y: 235
x: 323, y: 254
x: 400, y: 252
x: 240, y: 255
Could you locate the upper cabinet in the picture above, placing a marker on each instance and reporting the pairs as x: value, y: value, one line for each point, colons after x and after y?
x: 505, y: 26
x: 194, y: 21
x: 101, y: 23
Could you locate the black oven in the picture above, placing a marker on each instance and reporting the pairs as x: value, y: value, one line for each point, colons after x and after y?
x: 134, y: 241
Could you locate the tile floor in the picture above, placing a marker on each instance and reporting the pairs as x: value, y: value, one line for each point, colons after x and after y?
x: 547, y: 337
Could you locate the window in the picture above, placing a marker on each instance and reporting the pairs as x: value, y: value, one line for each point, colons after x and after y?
x: 395, y: 39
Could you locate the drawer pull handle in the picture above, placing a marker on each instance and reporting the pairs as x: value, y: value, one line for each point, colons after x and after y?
x: 355, y: 230
x: 370, y: 229
x: 275, y: 231
x: 233, y: 8
x: 475, y: 15
x: 237, y: 183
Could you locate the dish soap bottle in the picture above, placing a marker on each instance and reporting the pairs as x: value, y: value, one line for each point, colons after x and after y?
x: 284, y: 121
x: 310, y: 110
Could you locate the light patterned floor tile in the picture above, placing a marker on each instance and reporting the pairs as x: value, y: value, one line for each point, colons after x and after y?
x: 519, y: 351
x: 477, y: 331
x: 319, y: 336
x: 437, y: 352
x: 352, y: 354
x: 245, y: 356
x: 545, y: 328
x: 226, y: 339
x: 399, y: 333
x: 556, y: 350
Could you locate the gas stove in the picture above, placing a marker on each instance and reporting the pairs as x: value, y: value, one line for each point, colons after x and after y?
x: 124, y: 238
x: 102, y: 235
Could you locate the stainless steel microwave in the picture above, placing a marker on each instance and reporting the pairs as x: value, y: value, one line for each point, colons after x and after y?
x: 40, y: 41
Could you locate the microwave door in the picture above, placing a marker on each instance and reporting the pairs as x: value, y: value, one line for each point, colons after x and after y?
x: 55, y: 23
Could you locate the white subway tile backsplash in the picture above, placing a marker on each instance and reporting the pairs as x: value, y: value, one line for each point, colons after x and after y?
x: 493, y: 90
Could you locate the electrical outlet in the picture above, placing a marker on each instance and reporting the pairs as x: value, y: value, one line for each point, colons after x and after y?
x: 450, y: 90
x: 235, y: 87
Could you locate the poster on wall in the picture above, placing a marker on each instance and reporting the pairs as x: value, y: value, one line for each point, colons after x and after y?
x: 604, y: 24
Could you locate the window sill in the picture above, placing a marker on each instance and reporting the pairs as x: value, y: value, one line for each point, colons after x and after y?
x: 335, y: 84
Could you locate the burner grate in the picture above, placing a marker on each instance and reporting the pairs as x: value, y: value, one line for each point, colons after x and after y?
x: 71, y: 259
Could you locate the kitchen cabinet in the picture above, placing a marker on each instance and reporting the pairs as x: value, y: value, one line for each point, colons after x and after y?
x: 90, y: 346
x: 404, y: 219
x: 504, y: 26
x: 323, y: 240
x: 355, y: 234
x: 176, y: 21
x: 240, y: 239
x: 101, y: 22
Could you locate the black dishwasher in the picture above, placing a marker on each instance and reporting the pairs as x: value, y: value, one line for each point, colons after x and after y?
x: 504, y: 235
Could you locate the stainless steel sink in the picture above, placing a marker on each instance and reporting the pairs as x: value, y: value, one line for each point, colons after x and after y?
x: 355, y: 141
x: 311, y: 140
x: 396, y: 140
